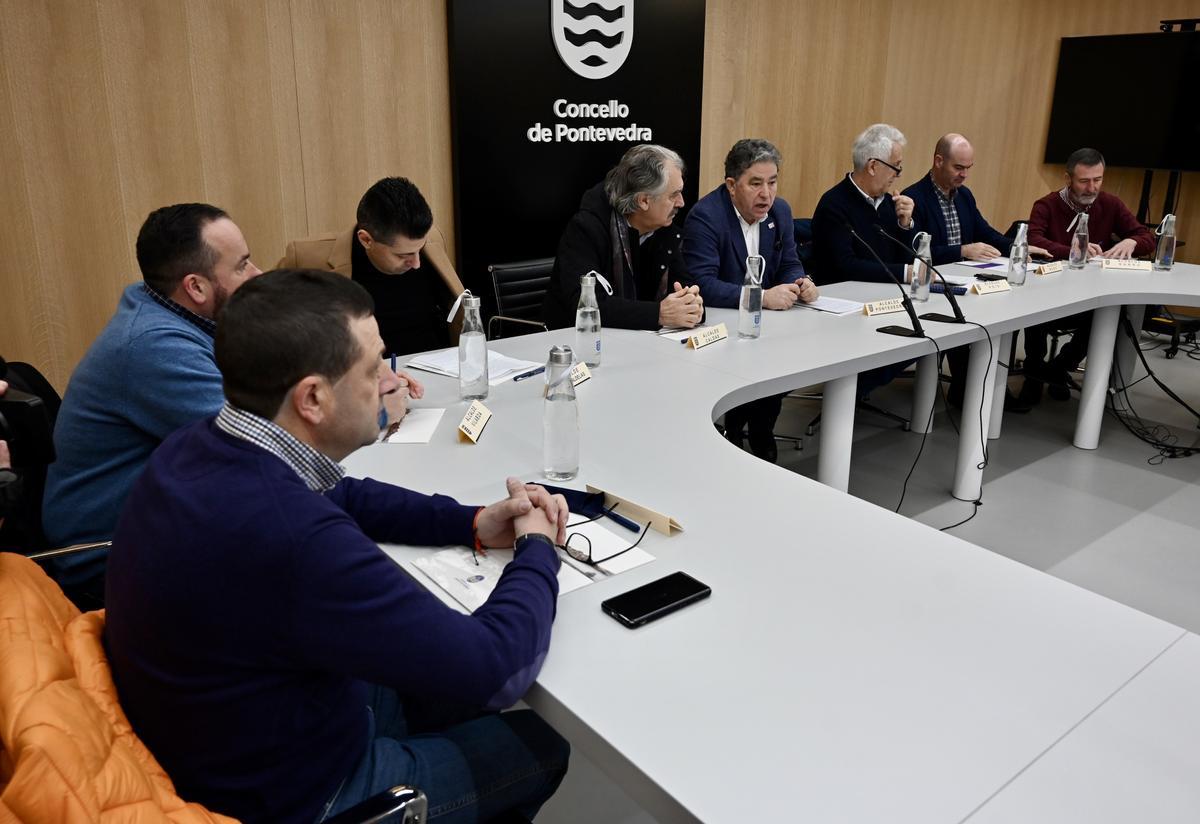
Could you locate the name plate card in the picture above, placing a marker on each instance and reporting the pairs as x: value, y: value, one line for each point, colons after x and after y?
x: 1049, y: 268
x: 473, y: 422
x: 988, y: 287
x: 1127, y: 265
x: 884, y: 307
x: 707, y: 337
x: 580, y: 374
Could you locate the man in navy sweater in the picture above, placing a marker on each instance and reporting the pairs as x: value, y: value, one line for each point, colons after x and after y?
x: 277, y: 663
x: 945, y: 207
x: 739, y: 219
x: 864, y: 203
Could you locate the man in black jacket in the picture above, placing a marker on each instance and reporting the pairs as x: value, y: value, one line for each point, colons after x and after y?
x: 625, y: 231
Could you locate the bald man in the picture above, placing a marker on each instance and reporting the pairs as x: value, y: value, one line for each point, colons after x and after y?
x: 945, y: 207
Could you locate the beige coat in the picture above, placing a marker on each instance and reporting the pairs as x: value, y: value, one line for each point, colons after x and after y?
x: 332, y: 252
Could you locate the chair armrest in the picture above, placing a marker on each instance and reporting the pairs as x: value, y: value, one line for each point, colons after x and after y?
x: 495, y: 318
x: 402, y: 805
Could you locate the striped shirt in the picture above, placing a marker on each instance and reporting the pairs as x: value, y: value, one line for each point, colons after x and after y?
x: 319, y: 472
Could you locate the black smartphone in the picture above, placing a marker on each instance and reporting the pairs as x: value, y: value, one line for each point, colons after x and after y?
x: 652, y: 601
x: 990, y: 276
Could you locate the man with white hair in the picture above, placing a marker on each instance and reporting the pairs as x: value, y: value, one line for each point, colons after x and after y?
x: 863, y: 202
x: 625, y: 230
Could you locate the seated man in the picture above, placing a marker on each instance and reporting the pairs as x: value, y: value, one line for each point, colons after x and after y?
x: 945, y: 207
x: 625, y: 231
x: 274, y: 659
x: 738, y: 219
x: 149, y: 372
x: 865, y: 202
x: 384, y: 252
x: 1113, y: 232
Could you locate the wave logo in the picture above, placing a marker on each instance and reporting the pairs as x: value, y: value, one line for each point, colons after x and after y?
x: 592, y: 38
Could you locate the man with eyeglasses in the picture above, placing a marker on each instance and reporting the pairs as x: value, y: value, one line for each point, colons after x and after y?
x: 864, y: 201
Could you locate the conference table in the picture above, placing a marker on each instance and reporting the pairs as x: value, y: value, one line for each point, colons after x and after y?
x: 851, y: 664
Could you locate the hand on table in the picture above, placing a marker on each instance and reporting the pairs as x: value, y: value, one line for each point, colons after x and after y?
x: 979, y: 251
x: 529, y: 508
x: 783, y: 296
x: 682, y: 308
x: 1122, y: 251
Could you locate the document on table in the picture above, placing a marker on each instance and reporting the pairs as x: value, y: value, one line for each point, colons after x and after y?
x: 678, y: 334
x: 417, y: 426
x: 445, y: 362
x: 994, y: 263
x: 455, y: 570
x: 836, y: 306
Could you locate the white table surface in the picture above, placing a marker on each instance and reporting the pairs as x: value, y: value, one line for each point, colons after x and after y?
x: 851, y: 665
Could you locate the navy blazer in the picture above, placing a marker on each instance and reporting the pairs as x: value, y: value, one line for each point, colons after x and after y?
x: 927, y: 212
x: 838, y: 256
x: 714, y: 248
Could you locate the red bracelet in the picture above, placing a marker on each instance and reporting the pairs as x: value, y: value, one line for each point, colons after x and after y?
x: 479, y: 547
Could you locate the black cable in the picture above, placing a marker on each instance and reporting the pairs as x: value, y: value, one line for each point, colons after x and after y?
x: 982, y: 465
x: 928, y: 426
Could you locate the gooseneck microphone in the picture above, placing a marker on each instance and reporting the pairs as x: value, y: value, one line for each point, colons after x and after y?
x: 917, y: 331
x: 947, y: 289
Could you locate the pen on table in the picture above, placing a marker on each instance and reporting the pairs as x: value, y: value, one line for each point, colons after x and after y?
x: 393, y: 363
x: 530, y: 373
x: 623, y: 521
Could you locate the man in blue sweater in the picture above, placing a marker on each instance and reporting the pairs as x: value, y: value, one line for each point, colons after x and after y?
x: 739, y: 219
x: 149, y: 372
x: 275, y: 660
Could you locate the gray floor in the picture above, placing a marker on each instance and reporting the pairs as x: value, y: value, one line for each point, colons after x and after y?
x: 1116, y: 520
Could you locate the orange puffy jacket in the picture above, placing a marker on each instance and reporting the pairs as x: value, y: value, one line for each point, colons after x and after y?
x: 68, y: 753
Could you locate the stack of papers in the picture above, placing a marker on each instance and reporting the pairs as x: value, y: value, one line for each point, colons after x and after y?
x: 838, y: 306
x: 500, y: 367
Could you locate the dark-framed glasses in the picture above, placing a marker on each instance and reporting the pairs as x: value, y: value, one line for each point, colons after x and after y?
x: 579, y: 545
x: 897, y: 169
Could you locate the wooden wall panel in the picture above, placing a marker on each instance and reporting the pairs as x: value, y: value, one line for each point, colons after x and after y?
x: 373, y: 98
x: 797, y: 74
x: 284, y: 111
x: 62, y: 126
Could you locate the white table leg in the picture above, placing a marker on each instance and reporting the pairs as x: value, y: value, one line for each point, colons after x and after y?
x: 837, y: 432
x: 976, y: 413
x: 924, y: 394
x: 1095, y: 379
x: 1003, y: 347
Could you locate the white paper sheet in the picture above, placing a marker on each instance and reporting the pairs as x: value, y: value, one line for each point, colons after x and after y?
x: 417, y: 426
x: 445, y: 362
x: 455, y: 571
x: 607, y: 541
x: 836, y: 306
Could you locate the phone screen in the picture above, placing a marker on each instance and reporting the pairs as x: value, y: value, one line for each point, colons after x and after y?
x: 655, y: 599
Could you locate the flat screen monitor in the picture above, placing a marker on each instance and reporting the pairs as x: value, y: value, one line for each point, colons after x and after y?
x: 1134, y: 97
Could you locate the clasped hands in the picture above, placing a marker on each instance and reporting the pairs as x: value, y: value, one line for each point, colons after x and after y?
x: 529, y: 508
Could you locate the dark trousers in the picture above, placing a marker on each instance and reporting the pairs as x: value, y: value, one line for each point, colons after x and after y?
x: 1071, y: 353
x: 759, y: 416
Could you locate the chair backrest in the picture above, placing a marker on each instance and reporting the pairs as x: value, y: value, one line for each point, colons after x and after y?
x: 27, y: 416
x: 520, y: 288
x: 802, y: 230
x: 67, y: 751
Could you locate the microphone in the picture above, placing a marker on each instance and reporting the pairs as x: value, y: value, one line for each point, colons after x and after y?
x: 917, y: 331
x: 948, y: 290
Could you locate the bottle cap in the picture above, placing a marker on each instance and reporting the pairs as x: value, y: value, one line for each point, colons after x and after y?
x: 561, y: 356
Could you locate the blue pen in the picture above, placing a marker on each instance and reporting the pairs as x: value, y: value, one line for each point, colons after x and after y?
x: 623, y: 521
x: 393, y: 363
x: 529, y: 374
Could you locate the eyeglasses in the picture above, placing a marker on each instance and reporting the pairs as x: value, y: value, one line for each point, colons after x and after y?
x: 584, y: 554
x: 897, y: 169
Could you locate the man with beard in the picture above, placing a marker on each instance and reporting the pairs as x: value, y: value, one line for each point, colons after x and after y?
x: 1113, y: 232
x: 150, y: 371
x: 625, y: 231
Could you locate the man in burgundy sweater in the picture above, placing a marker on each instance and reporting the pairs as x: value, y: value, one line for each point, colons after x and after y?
x: 1114, y: 233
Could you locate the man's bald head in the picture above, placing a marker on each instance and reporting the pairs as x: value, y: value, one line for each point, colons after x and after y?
x: 953, y: 158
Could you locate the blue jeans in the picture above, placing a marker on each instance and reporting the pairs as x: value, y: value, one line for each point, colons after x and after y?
x: 491, y: 766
